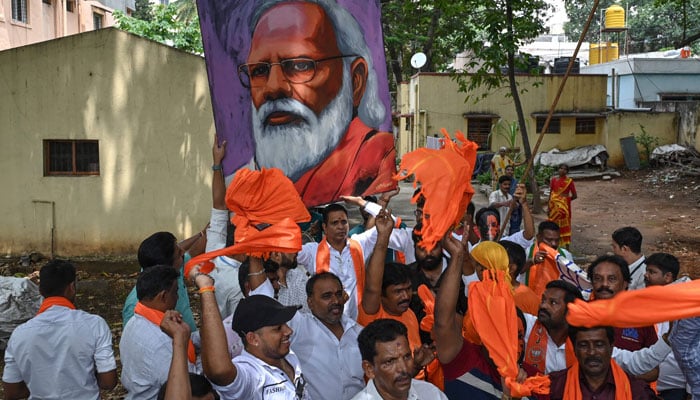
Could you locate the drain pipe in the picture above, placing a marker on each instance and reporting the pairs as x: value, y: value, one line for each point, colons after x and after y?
x: 53, y: 222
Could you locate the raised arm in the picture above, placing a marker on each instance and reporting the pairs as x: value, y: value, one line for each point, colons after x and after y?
x: 178, y: 386
x: 218, y: 185
x: 371, y: 297
x: 447, y: 329
x: 528, y: 221
x: 215, y: 360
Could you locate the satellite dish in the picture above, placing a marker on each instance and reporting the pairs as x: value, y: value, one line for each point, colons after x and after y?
x: 418, y: 60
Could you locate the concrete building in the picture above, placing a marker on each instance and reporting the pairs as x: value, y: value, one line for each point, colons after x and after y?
x: 106, y: 139
x: 24, y: 22
x: 431, y: 101
x: 658, y: 82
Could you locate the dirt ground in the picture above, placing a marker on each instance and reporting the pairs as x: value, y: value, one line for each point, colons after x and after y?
x: 662, y: 204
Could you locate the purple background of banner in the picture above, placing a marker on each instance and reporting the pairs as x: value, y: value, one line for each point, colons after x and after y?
x: 231, y: 101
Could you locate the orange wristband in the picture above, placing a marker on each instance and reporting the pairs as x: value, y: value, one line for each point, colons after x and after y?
x: 207, y: 289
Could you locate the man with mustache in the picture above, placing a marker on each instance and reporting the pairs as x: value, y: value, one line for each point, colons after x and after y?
x: 388, y: 363
x: 388, y: 290
x: 315, y: 102
x: 596, y: 375
x: 609, y: 276
x: 325, y: 339
x: 546, y: 344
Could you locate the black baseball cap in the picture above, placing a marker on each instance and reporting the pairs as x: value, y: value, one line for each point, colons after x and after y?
x: 257, y: 311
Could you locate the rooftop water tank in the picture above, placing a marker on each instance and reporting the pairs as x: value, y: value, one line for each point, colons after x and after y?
x: 615, y: 17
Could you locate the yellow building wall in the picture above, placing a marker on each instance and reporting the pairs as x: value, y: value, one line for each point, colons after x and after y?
x: 149, y: 107
x: 662, y: 125
x: 439, y: 104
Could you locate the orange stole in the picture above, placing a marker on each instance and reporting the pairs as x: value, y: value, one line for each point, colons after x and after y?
x: 536, y: 350
x: 55, y: 301
x: 323, y: 263
x: 541, y: 274
x: 155, y: 317
x: 572, y: 390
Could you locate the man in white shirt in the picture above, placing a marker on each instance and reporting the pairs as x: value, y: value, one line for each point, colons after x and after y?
x: 61, y: 353
x: 341, y: 255
x: 387, y: 360
x: 501, y: 199
x: 627, y: 243
x: 146, y: 351
x: 266, y: 366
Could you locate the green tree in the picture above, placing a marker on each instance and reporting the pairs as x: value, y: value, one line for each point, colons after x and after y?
x: 143, y: 10
x: 653, y: 24
x: 437, y: 28
x: 165, y: 27
x: 502, y: 26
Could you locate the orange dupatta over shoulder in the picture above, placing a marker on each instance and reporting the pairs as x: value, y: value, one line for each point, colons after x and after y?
x: 323, y: 263
x: 572, y: 390
x: 156, y: 317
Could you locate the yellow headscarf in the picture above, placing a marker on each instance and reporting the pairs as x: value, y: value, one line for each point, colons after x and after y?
x: 493, y: 257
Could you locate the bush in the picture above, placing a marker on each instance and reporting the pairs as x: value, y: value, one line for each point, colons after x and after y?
x: 543, y: 174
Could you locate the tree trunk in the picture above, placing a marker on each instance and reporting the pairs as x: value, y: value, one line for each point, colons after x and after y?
x: 537, y: 207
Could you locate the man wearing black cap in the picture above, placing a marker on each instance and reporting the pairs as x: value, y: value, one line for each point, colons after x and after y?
x: 266, y: 367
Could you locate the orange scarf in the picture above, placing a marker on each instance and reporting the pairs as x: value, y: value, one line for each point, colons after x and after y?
x: 492, y: 310
x: 156, y: 317
x: 572, y: 390
x: 266, y: 210
x: 445, y: 184
x: 640, y: 307
x: 536, y: 350
x: 323, y: 263
x: 55, y: 301
x: 540, y: 275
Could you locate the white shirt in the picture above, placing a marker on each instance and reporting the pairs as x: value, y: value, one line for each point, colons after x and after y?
x: 57, y: 353
x: 420, y: 390
x: 257, y: 380
x: 146, y: 353
x: 341, y: 263
x: 670, y: 373
x: 637, y: 270
x: 228, y: 291
x: 294, y: 293
x: 556, y: 355
x: 633, y: 362
x: 497, y: 196
x: 332, y: 367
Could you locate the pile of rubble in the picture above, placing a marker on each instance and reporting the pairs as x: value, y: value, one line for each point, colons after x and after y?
x: 685, y: 159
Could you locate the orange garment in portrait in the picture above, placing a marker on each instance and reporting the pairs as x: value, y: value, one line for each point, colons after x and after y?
x: 561, y: 190
x: 363, y: 163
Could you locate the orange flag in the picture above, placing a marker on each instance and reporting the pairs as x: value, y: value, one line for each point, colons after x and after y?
x: 492, y: 310
x: 267, y: 209
x: 640, y: 307
x: 445, y: 178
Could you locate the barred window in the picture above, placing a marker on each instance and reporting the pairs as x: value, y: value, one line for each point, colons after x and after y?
x: 71, y: 157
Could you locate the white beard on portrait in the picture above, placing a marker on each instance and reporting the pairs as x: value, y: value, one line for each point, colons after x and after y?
x: 296, y: 148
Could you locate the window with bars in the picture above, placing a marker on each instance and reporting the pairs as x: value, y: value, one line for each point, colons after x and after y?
x: 585, y: 125
x: 478, y: 129
x: 71, y: 157
x: 19, y: 11
x: 554, y: 125
x: 97, y: 20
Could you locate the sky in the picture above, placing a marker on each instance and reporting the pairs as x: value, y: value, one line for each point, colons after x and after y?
x: 558, y: 17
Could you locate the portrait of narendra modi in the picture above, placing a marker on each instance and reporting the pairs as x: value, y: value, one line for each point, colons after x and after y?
x: 301, y: 86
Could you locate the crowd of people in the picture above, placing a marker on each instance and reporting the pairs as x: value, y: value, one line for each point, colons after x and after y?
x: 373, y: 315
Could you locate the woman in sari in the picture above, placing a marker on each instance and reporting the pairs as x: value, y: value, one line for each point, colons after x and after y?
x: 561, y: 192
